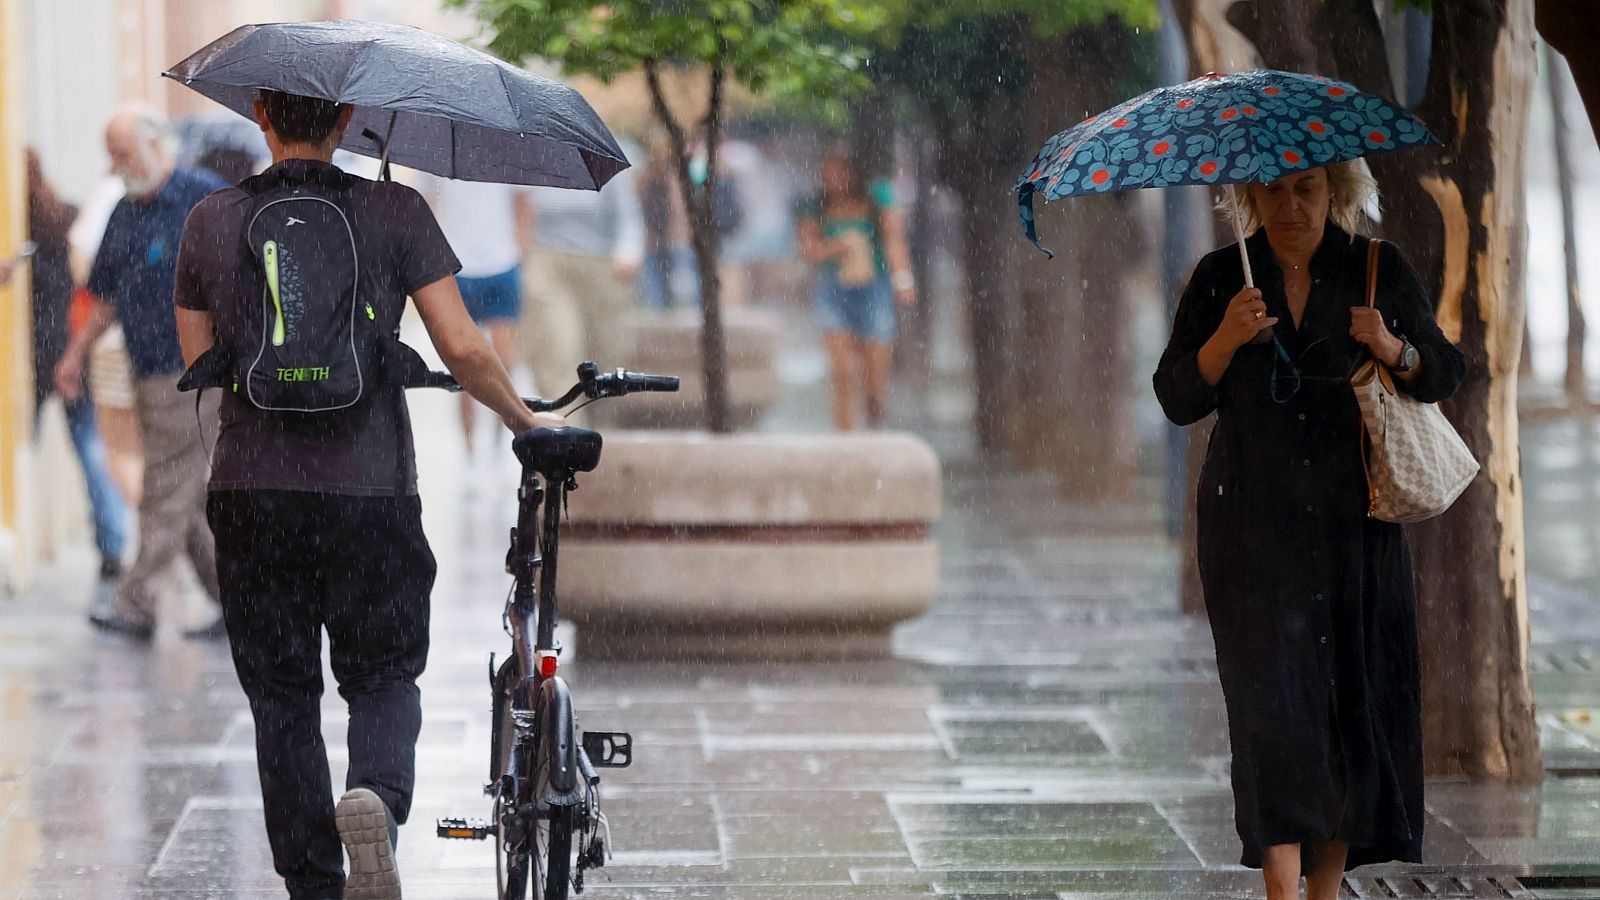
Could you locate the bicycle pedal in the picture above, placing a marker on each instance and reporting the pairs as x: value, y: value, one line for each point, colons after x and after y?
x: 465, y: 829
x: 608, y: 749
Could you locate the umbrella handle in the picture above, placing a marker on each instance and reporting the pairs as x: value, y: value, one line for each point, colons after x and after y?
x: 383, y: 161
x: 1238, y: 232
x: 1264, y: 335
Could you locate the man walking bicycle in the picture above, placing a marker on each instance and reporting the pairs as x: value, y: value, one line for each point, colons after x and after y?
x: 313, y: 487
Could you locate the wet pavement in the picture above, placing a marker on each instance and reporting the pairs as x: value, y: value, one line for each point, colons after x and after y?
x: 1052, y: 729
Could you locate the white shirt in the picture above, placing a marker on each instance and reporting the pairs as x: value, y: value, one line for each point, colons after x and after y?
x: 479, y: 220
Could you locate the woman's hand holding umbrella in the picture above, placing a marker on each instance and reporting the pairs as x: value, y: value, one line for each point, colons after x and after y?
x: 1245, y: 318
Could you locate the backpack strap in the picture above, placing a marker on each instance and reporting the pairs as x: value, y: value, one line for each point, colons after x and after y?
x: 214, y: 368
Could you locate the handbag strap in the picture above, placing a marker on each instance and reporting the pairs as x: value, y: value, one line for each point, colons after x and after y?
x: 1366, y: 435
x: 1373, y: 245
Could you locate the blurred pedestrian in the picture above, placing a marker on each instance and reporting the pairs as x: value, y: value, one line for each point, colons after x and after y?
x: 110, y: 372
x: 855, y: 237
x: 316, y: 513
x: 49, y: 220
x: 586, y: 249
x: 661, y: 282
x: 131, y: 282
x: 487, y: 225
x: 1312, y: 603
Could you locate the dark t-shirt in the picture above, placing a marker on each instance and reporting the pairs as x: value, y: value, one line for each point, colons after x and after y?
x: 133, y: 269
x: 357, y: 451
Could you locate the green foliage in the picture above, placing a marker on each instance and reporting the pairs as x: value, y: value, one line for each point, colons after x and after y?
x: 1424, y: 5
x: 1044, y: 18
x: 804, y: 47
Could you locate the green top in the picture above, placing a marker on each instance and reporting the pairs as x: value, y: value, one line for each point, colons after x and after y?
x: 881, y: 192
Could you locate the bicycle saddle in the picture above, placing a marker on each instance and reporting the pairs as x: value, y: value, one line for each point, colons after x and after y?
x: 558, y: 451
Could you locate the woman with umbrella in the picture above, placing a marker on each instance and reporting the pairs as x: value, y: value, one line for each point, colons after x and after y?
x: 1311, y: 602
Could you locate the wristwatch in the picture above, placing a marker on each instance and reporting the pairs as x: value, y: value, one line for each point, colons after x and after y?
x: 1408, y: 357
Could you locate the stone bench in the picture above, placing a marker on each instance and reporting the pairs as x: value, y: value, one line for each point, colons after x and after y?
x: 692, y: 545
x: 668, y: 343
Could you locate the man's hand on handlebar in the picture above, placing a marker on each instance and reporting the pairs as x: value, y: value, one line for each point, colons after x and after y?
x: 531, y: 420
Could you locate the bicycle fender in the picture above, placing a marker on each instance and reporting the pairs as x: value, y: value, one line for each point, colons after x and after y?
x: 558, y: 733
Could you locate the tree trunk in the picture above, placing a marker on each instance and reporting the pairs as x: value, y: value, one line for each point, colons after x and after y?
x: 1576, y: 381
x: 1095, y: 444
x: 914, y: 354
x: 1044, y: 363
x: 981, y: 140
x: 992, y: 326
x: 1079, y: 423
x: 1471, y: 567
x: 1281, y: 31
x: 703, y: 238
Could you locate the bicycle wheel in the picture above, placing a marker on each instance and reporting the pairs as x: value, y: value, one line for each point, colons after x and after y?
x: 511, y: 864
x: 553, y: 851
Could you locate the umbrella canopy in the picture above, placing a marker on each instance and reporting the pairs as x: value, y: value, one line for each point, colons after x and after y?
x: 1218, y: 129
x: 438, y: 105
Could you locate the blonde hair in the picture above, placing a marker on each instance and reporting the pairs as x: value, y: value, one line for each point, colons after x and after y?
x: 1351, y: 190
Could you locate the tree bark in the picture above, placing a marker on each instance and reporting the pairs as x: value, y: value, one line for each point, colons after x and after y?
x: 992, y: 326
x: 1281, y: 31
x: 1077, y: 363
x: 913, y: 355
x: 703, y: 237
x: 982, y: 138
x: 1471, y: 568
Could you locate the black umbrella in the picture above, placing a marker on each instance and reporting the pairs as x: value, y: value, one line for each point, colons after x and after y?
x: 436, y: 104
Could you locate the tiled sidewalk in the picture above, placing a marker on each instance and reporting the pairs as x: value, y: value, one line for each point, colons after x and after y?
x: 1051, y: 730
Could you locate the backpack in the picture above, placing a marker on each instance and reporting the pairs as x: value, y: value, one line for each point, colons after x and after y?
x: 316, y: 346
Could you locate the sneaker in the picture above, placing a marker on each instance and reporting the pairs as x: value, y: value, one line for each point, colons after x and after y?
x: 116, y: 623
x: 364, y: 828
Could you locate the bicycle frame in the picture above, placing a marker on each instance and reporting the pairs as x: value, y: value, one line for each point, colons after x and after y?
x: 535, y: 546
x: 543, y: 777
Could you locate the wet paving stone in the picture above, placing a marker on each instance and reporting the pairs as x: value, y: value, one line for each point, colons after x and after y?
x: 1051, y: 730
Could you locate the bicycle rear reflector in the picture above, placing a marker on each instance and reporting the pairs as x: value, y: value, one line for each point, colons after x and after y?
x: 547, y: 664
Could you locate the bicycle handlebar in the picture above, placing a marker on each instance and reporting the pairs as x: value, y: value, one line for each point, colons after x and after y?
x: 592, y: 385
x: 596, y: 386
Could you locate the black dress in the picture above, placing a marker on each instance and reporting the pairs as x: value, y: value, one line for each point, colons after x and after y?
x: 1311, y: 603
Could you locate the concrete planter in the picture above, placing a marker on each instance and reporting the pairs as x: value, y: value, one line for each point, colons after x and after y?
x: 685, y: 544
x: 668, y: 342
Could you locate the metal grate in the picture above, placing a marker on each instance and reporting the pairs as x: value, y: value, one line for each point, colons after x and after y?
x: 1454, y: 887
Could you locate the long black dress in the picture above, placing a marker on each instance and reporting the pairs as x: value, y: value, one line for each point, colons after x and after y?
x: 1312, y: 604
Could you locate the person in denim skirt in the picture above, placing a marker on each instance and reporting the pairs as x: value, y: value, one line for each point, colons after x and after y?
x: 851, y: 231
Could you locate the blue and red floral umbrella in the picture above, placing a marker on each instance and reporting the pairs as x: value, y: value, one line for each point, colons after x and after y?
x: 1217, y: 129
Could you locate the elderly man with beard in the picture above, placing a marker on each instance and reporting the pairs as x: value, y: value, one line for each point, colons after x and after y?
x: 132, y: 283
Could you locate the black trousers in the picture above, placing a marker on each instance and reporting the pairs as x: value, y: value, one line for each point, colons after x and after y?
x: 291, y: 564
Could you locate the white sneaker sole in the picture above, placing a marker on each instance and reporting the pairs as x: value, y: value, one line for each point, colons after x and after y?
x: 364, y: 828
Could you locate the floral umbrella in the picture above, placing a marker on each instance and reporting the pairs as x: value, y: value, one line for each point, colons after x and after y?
x: 1217, y: 129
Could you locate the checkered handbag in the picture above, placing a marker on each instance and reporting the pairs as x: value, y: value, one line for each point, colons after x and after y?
x: 1416, y: 463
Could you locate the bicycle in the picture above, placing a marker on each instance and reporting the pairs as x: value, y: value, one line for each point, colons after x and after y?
x: 545, y: 816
